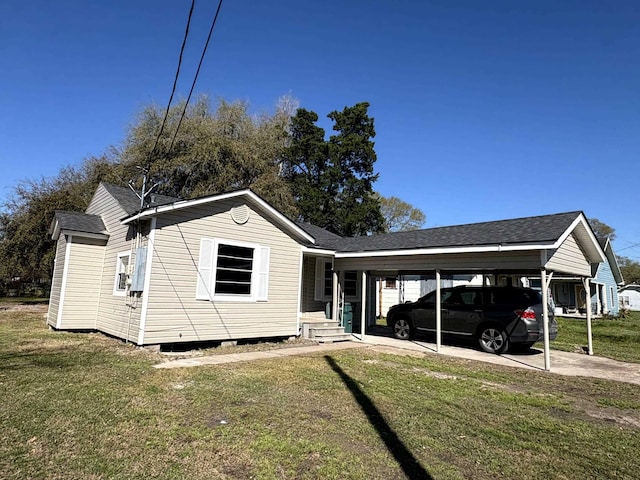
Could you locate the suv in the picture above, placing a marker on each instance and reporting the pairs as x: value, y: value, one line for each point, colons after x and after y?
x: 498, y: 317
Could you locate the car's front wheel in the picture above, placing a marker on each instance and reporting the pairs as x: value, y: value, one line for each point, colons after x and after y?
x: 493, y: 340
x: 402, y: 328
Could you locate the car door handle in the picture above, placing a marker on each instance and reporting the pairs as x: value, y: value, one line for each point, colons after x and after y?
x: 478, y: 311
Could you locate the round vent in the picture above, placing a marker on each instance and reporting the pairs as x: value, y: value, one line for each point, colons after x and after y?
x: 240, y: 214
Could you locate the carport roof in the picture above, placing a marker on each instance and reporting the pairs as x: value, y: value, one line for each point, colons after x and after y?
x: 543, y: 229
x: 539, y: 232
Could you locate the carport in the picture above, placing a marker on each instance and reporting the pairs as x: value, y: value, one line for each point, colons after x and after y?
x: 549, y: 246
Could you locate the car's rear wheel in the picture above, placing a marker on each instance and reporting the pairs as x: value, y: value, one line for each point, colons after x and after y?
x: 493, y: 339
x: 402, y: 328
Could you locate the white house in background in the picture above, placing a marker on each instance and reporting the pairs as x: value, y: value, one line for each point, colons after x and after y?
x: 629, y: 297
x: 408, y: 288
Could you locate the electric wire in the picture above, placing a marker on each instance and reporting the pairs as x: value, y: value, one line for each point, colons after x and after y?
x: 195, y: 78
x: 173, y: 90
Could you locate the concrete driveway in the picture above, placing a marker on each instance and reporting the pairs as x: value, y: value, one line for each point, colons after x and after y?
x: 562, y: 363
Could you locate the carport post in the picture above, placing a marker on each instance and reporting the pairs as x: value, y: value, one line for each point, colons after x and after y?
x: 363, y: 309
x: 545, y: 318
x: 334, y: 297
x: 587, y: 294
x: 438, y: 313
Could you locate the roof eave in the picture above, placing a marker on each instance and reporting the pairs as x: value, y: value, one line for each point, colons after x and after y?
x: 444, y: 250
x: 586, y: 237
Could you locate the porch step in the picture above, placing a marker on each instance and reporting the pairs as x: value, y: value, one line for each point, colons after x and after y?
x: 324, y: 331
x: 330, y: 337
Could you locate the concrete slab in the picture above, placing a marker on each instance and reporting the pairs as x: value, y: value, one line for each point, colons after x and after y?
x: 562, y: 363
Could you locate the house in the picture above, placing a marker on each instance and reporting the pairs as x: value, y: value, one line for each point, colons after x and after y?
x: 230, y: 266
x: 569, y: 293
x: 215, y: 268
x: 629, y: 297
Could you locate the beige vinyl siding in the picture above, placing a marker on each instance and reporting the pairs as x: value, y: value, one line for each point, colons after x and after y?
x: 174, y: 314
x: 82, y: 287
x: 117, y: 315
x: 461, y: 262
x: 56, y: 281
x: 569, y: 258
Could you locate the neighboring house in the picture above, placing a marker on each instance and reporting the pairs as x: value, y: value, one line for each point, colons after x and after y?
x: 230, y: 266
x: 629, y: 297
x: 409, y: 288
x: 569, y: 293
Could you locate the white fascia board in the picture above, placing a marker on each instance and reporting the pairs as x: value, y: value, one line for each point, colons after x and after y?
x: 582, y: 221
x: 179, y: 205
x: 319, y: 251
x: 75, y: 233
x: 442, y: 250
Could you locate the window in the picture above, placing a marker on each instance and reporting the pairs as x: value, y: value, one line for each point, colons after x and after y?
x: 611, y: 296
x: 350, y: 284
x: 323, y: 280
x: 390, y: 282
x: 234, y: 271
x: 122, y: 265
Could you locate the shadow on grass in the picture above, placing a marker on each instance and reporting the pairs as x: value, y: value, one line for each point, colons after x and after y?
x: 58, y: 358
x: 409, y: 464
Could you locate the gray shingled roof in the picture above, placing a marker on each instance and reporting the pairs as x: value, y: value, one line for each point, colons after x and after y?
x: 519, y: 231
x: 322, y: 236
x: 130, y: 202
x: 79, y: 222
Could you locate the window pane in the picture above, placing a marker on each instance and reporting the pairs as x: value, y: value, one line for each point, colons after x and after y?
x: 233, y: 270
x: 350, y: 283
x: 328, y: 279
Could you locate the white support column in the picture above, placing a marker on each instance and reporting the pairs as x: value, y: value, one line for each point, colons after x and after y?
x: 545, y: 318
x: 438, y: 313
x: 334, y: 296
x: 363, y: 305
x: 587, y: 289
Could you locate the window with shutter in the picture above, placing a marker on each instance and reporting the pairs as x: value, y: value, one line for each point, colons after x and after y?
x: 232, y: 271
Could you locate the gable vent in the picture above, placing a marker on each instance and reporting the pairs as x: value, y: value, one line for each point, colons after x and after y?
x: 240, y: 214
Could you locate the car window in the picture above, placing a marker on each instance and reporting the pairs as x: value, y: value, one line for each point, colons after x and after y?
x: 501, y: 296
x: 464, y: 297
x: 430, y: 298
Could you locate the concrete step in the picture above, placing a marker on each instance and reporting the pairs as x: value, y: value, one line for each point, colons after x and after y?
x: 319, y: 331
x: 332, y: 337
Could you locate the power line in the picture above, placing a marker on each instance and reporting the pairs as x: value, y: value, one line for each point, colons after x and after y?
x: 175, y: 83
x: 195, y: 78
x: 630, y: 246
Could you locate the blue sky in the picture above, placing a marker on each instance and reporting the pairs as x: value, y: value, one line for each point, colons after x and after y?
x: 484, y: 110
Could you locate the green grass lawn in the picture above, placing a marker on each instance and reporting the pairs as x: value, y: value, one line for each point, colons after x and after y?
x: 612, y: 337
x: 84, y: 406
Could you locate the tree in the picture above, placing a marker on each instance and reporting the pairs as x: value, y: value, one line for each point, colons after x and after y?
x: 332, y: 181
x: 601, y: 229
x: 630, y: 270
x: 25, y: 251
x: 400, y: 216
x: 213, y: 151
